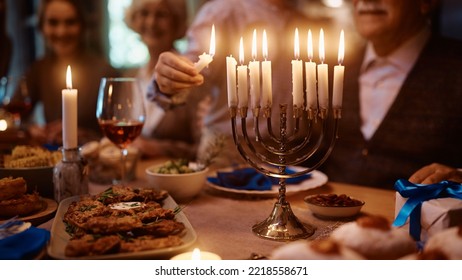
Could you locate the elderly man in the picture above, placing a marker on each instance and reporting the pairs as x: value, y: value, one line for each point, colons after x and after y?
x: 402, y: 98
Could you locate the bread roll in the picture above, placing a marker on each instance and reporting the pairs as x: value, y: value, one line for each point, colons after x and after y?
x: 25, y: 205
x: 12, y: 187
x: 375, y: 238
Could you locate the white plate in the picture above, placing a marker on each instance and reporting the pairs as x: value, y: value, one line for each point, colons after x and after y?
x: 59, y: 237
x: 317, y: 179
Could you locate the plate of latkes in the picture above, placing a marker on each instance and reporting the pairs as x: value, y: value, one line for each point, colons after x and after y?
x: 120, y: 223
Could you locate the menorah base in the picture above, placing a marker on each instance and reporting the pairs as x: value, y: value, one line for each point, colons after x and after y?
x: 282, y: 225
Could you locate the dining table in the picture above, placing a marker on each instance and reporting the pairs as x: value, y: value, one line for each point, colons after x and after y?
x: 223, y: 221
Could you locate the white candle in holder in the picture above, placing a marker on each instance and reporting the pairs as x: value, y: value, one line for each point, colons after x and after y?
x: 323, y: 82
x: 205, y: 59
x: 339, y: 71
x: 310, y: 75
x: 242, y: 90
x: 297, y: 74
x: 267, y: 90
x: 69, y: 114
x: 254, y: 72
x: 231, y: 80
x: 197, y: 254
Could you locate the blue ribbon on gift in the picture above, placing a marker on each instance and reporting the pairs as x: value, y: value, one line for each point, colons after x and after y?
x: 417, y: 194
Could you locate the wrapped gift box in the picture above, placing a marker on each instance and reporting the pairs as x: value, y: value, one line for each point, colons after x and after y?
x: 436, y: 214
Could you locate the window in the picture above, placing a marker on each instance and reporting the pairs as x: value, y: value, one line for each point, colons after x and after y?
x: 125, y: 47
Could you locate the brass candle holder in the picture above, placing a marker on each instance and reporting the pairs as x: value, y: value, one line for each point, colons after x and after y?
x: 310, y: 142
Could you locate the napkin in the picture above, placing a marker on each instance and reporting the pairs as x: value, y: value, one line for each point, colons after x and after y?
x: 24, y: 245
x: 251, y: 179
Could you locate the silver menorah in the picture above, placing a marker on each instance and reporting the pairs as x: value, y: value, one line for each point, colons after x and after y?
x: 309, y: 142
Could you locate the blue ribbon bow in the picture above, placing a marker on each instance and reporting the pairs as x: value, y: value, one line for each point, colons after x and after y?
x: 417, y: 194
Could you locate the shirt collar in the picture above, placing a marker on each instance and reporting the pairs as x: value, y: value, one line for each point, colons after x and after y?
x: 404, y: 57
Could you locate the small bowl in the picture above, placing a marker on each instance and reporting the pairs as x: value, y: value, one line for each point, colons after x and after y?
x: 333, y: 206
x: 38, y: 179
x: 182, y: 187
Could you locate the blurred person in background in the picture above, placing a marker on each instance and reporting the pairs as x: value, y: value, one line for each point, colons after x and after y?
x: 401, y: 106
x: 175, y: 132
x: 63, y: 25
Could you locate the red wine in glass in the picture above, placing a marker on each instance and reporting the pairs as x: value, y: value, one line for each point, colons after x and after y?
x: 120, y: 113
x: 121, y: 133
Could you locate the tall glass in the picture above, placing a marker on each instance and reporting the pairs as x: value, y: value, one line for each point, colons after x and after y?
x: 14, y: 97
x: 120, y: 112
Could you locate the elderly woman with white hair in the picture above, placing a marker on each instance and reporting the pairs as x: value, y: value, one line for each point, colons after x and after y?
x: 172, y: 133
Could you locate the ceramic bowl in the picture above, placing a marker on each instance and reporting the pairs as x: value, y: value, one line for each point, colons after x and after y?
x: 333, y: 205
x: 181, y: 187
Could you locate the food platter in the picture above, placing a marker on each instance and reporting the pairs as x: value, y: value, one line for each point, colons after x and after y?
x: 316, y: 179
x: 47, y: 212
x: 60, y: 238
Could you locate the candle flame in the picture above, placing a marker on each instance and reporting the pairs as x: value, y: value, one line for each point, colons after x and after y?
x: 341, y: 48
x: 321, y: 46
x: 212, y: 41
x: 296, y: 45
x: 265, y: 45
x: 68, y: 77
x: 241, y: 51
x: 196, y: 254
x: 310, y: 45
x: 254, y: 45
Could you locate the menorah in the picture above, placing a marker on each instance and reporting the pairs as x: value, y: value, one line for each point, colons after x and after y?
x: 273, y: 154
x: 309, y: 142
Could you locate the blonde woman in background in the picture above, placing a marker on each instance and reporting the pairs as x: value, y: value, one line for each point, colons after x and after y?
x: 173, y: 132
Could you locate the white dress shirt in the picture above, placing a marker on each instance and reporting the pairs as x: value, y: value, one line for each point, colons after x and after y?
x: 381, y: 79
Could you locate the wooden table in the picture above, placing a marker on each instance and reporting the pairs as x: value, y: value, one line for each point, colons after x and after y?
x: 224, y: 224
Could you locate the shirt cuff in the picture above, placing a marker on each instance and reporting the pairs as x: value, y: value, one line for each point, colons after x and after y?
x: 166, y: 102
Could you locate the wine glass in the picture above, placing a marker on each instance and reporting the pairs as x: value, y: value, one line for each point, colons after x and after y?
x: 120, y: 113
x: 14, y: 97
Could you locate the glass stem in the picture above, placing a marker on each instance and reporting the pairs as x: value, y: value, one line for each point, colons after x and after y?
x: 124, y: 167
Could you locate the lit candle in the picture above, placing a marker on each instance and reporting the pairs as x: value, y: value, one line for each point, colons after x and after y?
x: 297, y: 74
x: 310, y: 75
x: 338, y: 74
x: 197, y: 254
x: 267, y: 90
x: 242, y: 92
x: 231, y: 80
x: 254, y: 72
x: 323, y: 82
x: 69, y: 104
x: 205, y: 59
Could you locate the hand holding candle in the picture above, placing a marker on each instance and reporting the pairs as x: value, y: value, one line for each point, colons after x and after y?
x: 323, y: 82
x: 297, y: 74
x: 254, y: 68
x: 205, y: 59
x: 339, y: 74
x: 69, y: 114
